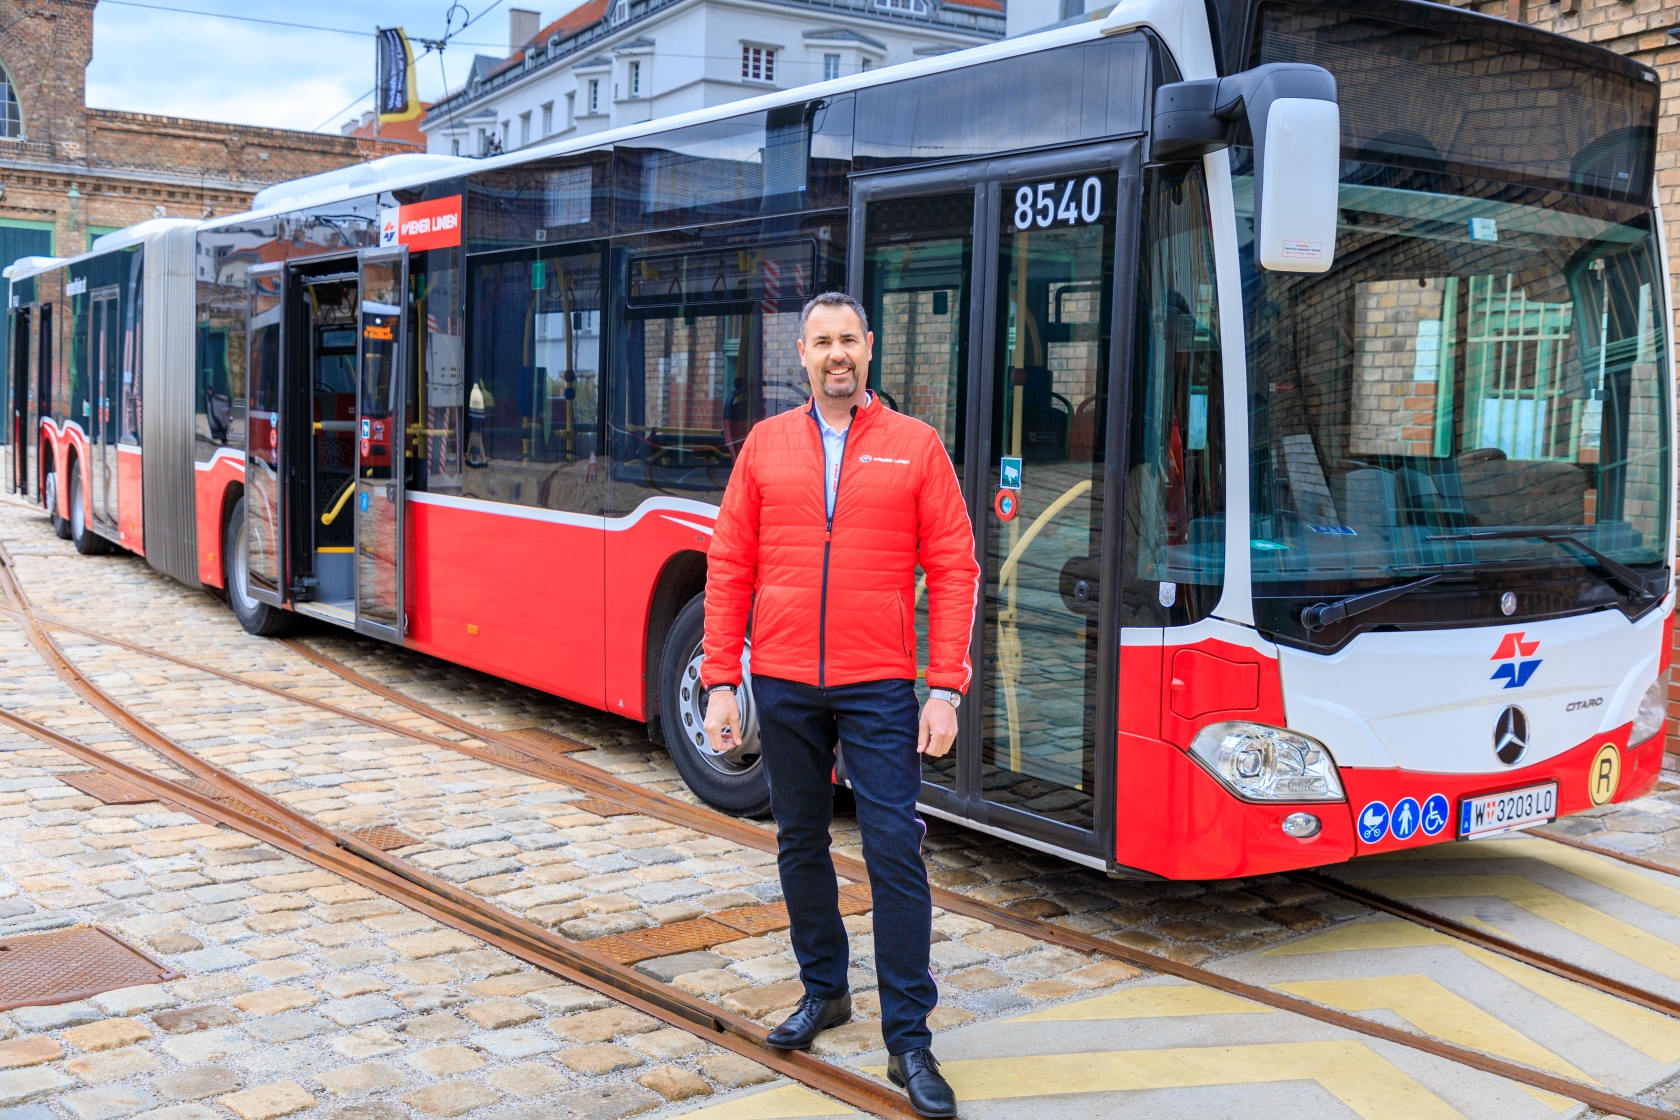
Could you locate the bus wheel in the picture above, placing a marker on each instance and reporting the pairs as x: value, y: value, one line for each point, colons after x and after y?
x: 734, y: 783
x: 257, y: 618
x: 61, y: 526
x: 87, y: 543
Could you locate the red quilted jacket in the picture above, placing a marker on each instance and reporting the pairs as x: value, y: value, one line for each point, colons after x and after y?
x: 835, y: 604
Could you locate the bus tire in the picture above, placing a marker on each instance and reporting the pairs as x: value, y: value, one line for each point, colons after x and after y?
x: 61, y: 525
x: 87, y: 542
x: 737, y: 783
x: 255, y: 617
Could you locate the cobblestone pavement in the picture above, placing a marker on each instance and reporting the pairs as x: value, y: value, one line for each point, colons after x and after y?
x: 371, y: 989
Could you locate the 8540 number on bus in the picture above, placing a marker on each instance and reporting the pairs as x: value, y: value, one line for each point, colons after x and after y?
x: 1066, y: 202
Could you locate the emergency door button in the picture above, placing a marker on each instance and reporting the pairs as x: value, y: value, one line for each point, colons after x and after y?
x: 1203, y: 683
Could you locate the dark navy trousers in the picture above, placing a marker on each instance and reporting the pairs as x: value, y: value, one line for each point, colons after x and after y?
x: 877, y: 720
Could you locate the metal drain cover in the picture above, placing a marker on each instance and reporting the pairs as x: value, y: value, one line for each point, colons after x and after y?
x: 105, y: 788
x: 384, y: 837
x: 546, y: 740
x: 596, y: 806
x: 65, y: 965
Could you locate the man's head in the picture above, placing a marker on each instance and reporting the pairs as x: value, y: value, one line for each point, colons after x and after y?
x: 835, y: 345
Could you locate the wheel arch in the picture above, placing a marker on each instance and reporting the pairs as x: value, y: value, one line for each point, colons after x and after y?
x: 231, y: 494
x: 681, y: 579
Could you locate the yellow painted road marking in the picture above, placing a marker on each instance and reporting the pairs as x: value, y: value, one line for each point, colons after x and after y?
x: 1432, y: 1009
x: 1651, y: 1033
x: 1602, y: 870
x: 1350, y: 1071
x: 1630, y: 941
x: 785, y: 1102
x: 1147, y: 1003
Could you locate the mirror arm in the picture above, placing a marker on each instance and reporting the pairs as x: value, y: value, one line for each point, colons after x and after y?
x: 1192, y: 119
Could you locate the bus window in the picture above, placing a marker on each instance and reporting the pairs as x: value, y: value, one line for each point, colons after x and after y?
x: 533, y: 381
x: 710, y: 349
x: 1175, y: 480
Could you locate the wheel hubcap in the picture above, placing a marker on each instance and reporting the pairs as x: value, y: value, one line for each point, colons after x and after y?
x: 691, y: 712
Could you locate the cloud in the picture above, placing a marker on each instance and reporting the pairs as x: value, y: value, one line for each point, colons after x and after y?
x: 150, y: 61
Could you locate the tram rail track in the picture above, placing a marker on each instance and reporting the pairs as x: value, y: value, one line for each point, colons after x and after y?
x: 228, y: 800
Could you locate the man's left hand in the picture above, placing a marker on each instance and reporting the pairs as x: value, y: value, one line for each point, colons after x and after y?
x: 939, y: 728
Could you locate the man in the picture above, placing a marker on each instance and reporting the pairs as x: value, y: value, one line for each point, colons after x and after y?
x: 829, y: 512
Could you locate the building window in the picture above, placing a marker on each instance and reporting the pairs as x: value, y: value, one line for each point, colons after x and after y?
x: 502, y: 146
x: 908, y: 7
x: 868, y: 64
x: 524, y: 129
x: 594, y: 95
x: 831, y: 67
x: 548, y: 118
x: 620, y: 12
x: 455, y: 146
x: 11, y: 116
x: 758, y: 64
x: 635, y: 79
x: 571, y: 110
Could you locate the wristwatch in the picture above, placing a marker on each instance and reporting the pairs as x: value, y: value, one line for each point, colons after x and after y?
x: 950, y: 695
x: 721, y: 688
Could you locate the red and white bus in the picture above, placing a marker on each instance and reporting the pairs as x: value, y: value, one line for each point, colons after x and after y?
x: 1306, y: 371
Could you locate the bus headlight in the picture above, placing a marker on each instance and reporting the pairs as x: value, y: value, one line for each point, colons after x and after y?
x: 1261, y: 763
x: 1653, y: 709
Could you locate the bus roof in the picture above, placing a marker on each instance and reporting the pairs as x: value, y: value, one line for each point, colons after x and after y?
x: 285, y: 197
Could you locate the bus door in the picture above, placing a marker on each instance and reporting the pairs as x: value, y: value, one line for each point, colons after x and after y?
x: 17, y: 405
x: 380, y: 443
x: 104, y: 352
x: 991, y: 291
x: 265, y: 504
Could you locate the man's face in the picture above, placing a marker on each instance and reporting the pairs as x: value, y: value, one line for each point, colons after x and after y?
x: 835, y: 351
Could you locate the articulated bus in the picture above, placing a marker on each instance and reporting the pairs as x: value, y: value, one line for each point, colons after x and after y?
x: 1305, y: 364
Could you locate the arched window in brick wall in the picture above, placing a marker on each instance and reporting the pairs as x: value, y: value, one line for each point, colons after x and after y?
x: 11, y: 114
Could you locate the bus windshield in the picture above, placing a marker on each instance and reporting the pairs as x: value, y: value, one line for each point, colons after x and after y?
x: 1481, y: 357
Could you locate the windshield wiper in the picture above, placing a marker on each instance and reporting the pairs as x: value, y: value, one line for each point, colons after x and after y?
x: 1320, y: 615
x: 1614, y: 570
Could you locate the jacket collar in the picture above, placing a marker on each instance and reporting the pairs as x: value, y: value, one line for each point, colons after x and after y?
x: 860, y: 412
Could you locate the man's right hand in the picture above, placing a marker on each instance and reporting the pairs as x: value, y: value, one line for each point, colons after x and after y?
x: 723, y: 722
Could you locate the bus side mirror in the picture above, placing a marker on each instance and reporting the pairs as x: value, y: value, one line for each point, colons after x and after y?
x: 1292, y: 112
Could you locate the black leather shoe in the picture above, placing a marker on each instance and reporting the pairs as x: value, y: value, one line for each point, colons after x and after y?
x: 812, y: 1017
x: 917, y: 1073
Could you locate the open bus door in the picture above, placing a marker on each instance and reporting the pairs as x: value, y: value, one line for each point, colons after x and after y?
x: 265, y: 491
x: 992, y: 291
x: 17, y: 404
x: 382, y: 346
x: 104, y: 355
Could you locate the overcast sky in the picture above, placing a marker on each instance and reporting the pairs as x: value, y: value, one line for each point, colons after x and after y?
x: 189, y: 65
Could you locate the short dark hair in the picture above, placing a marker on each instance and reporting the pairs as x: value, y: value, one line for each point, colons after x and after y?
x: 833, y: 299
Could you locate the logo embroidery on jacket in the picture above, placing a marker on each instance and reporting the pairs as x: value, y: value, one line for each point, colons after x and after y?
x: 878, y: 459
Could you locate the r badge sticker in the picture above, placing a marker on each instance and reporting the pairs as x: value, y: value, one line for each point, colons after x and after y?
x: 1373, y: 822
x: 1606, y: 774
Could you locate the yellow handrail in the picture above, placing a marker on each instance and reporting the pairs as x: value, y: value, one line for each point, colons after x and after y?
x: 344, y: 496
x: 1039, y: 522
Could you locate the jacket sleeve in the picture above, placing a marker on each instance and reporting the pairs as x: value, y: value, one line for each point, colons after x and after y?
x: 732, y: 572
x: 945, y: 548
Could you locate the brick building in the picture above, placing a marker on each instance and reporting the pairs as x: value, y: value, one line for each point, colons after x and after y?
x: 69, y: 173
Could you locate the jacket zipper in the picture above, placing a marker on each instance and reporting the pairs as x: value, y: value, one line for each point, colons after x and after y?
x: 828, y: 536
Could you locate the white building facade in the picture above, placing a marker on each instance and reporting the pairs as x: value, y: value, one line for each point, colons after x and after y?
x: 611, y: 63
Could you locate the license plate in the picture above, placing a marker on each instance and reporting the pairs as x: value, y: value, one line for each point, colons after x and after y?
x: 1501, y: 812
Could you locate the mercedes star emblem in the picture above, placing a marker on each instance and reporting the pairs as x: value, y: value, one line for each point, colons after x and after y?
x: 1508, y: 603
x: 1510, y: 735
